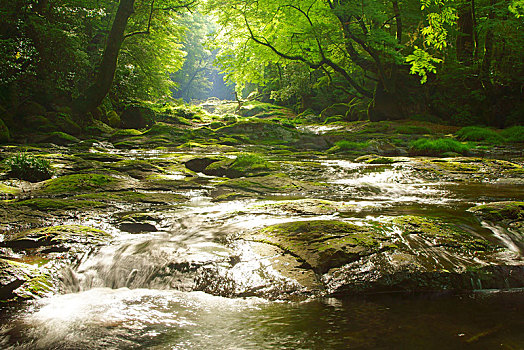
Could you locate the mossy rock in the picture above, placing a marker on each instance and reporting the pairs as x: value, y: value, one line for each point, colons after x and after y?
x: 113, y: 119
x: 460, y: 167
x: 322, y: 244
x: 60, y: 138
x: 100, y: 157
x: 31, y: 108
x: 19, y: 281
x: 137, y: 117
x: 375, y: 159
x: 306, y: 207
x: 443, y: 234
x: 338, y: 110
x: 500, y: 211
x: 136, y: 168
x: 173, y: 119
x: 5, y: 136
x: 39, y: 123
x: 261, y: 131
x: 216, y: 125
x: 125, y: 133
x: 98, y: 128
x: 229, y: 141
x: 63, y: 235
x: 275, y: 184
x: 246, y: 164
x: 200, y: 164
x: 333, y: 119
x: 78, y: 183
x: 164, y: 129
x: 8, y: 190
x: 65, y: 123
x: 131, y: 197
x: 263, y: 110
x: 49, y: 204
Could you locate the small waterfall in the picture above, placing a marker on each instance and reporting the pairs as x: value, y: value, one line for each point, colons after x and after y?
x: 511, y: 240
x: 144, y: 262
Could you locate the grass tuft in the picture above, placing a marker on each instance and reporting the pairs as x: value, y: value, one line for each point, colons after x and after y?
x: 438, y: 147
x: 514, y: 134
x: 476, y: 133
x: 28, y: 167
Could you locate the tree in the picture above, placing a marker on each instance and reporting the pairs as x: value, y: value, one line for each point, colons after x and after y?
x: 94, y: 95
x: 356, y: 42
x: 105, y: 74
x: 51, y: 50
x: 193, y: 79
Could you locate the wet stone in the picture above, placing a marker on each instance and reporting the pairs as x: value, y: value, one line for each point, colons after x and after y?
x: 136, y: 227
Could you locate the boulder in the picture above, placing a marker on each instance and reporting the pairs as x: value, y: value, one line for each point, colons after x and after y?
x: 60, y: 138
x: 406, y: 254
x: 261, y: 130
x: 31, y: 108
x: 500, y: 211
x: 137, y: 117
x: 114, y: 119
x: 22, y: 281
x: 39, y: 123
x: 64, y: 122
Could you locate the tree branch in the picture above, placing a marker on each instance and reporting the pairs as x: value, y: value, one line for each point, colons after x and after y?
x: 186, y: 5
x: 148, y: 30
x: 312, y: 65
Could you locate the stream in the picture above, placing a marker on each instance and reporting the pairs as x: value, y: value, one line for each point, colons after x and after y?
x: 187, y: 284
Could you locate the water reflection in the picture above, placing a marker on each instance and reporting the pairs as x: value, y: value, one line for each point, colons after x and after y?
x: 148, y: 319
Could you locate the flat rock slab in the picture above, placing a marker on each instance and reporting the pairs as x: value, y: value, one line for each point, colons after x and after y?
x: 406, y: 253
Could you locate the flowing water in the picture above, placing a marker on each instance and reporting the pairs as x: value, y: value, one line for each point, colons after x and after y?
x: 146, y: 290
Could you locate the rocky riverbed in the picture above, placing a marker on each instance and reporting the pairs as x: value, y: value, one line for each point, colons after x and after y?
x: 255, y: 208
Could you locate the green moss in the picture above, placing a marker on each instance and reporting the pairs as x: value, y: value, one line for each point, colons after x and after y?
x: 334, y: 119
x: 458, y: 166
x: 123, y: 196
x: 443, y: 234
x: 228, y: 197
x: 475, y: 133
x: 34, y: 282
x: 412, y: 129
x: 61, y: 138
x: 498, y: 211
x: 45, y: 204
x: 8, y: 190
x: 322, y: 244
x: 514, y: 134
x: 114, y: 119
x: 164, y: 129
x: 64, y: 233
x: 263, y: 110
x: 123, y: 133
x: 260, y: 131
x: 347, y: 146
x: 381, y: 160
x: 277, y: 183
x: 250, y: 162
x: 307, y: 207
x: 438, y: 147
x: 77, y: 183
x: 98, y: 128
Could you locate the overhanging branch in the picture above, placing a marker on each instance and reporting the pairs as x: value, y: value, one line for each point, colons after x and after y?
x: 312, y: 65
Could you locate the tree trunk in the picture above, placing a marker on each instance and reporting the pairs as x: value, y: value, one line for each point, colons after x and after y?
x: 466, y: 33
x: 105, y: 74
x: 485, y: 71
x: 385, y: 105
